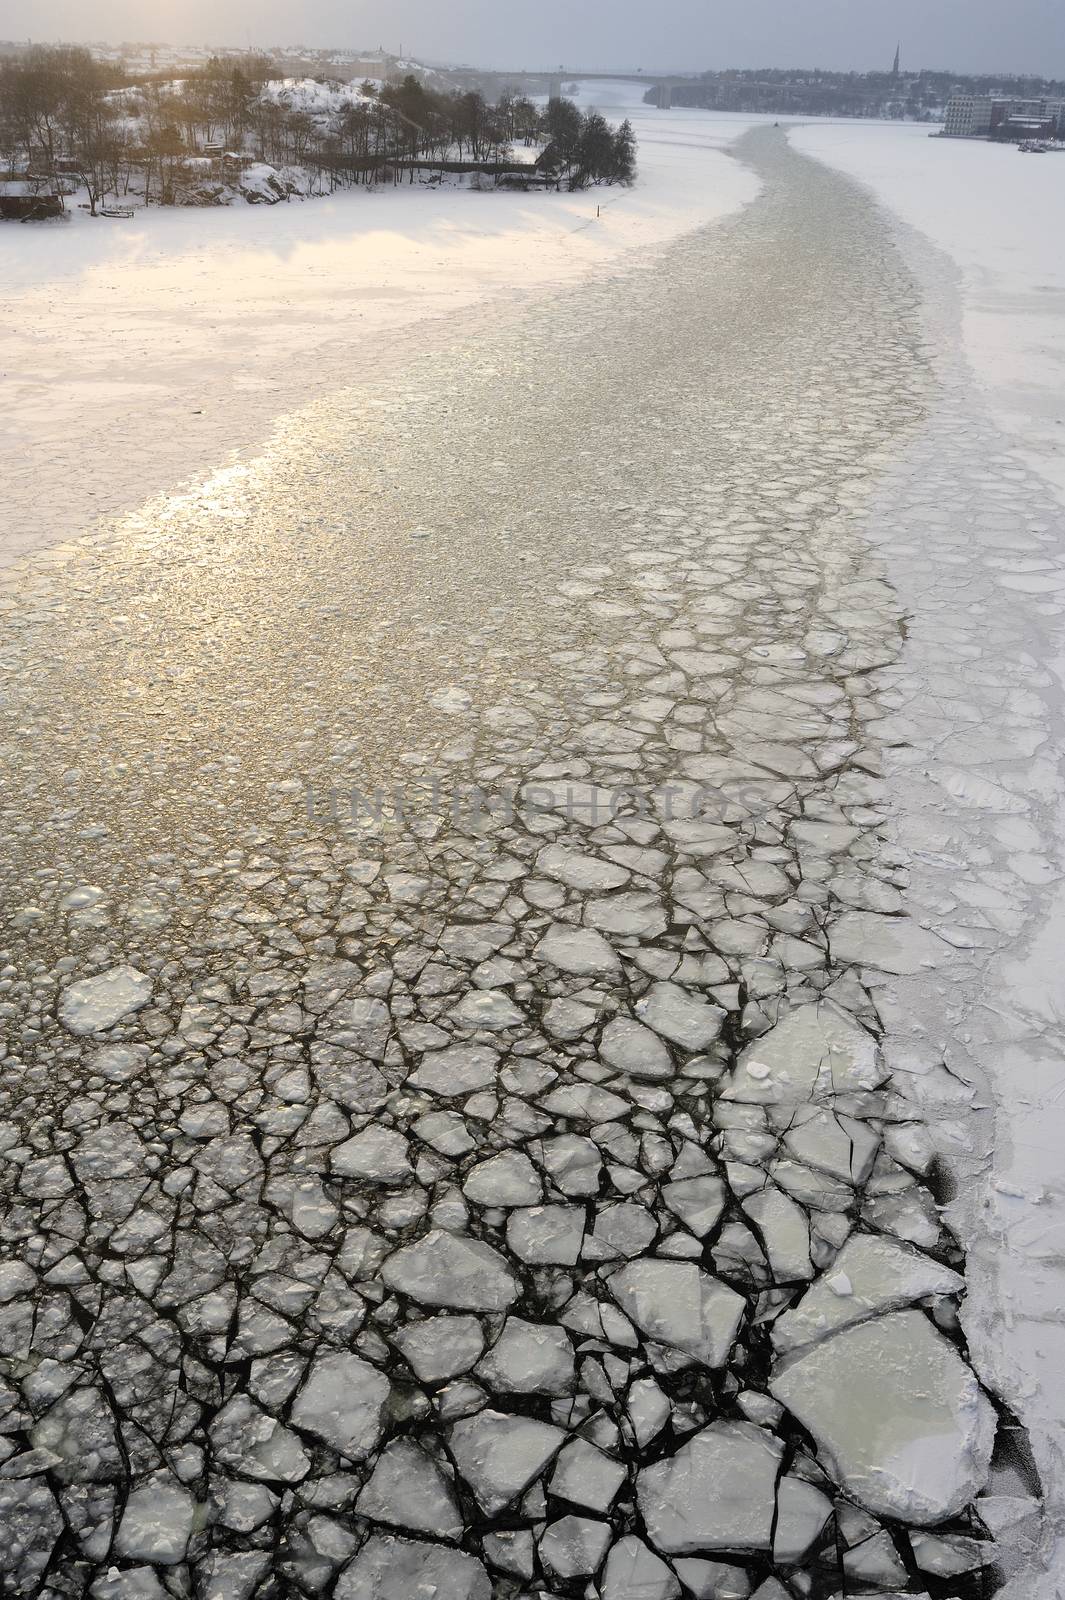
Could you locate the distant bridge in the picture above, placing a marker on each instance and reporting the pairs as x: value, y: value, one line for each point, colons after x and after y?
x: 663, y: 85
x: 552, y: 83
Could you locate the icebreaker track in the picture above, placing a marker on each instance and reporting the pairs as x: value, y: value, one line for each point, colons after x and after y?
x: 496, y: 1189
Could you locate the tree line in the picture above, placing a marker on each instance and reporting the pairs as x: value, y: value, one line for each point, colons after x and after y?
x: 64, y: 114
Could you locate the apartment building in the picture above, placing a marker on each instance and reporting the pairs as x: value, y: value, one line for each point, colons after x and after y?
x: 968, y: 116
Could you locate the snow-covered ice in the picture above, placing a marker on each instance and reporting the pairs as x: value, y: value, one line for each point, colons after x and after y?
x: 899, y: 1414
x: 443, y: 1269
x: 499, y: 1454
x: 342, y: 1401
x: 407, y: 1489
x: 718, y: 1492
x: 95, y: 1004
x: 529, y: 1358
x: 395, y: 1569
x: 186, y: 333
x: 681, y: 1306
x: 1000, y: 221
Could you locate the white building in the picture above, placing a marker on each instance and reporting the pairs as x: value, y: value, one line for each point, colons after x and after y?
x: 968, y: 116
x: 1055, y: 109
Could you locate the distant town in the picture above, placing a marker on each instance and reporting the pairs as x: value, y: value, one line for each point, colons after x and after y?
x: 1023, y: 111
x: 966, y: 107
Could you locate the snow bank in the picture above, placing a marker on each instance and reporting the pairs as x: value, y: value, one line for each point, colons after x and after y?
x: 312, y: 97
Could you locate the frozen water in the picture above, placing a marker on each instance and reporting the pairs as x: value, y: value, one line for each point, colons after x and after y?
x: 871, y: 1274
x: 679, y: 1017
x: 636, y: 913
x: 460, y: 1069
x: 408, y: 1490
x: 585, y: 1102
x: 97, y: 1003
x: 679, y: 1305
x: 249, y: 1440
x: 802, y: 1512
x: 718, y: 1492
x: 580, y: 871
x: 716, y: 1580
x: 901, y: 1419
x: 816, y: 1051
x: 581, y: 951
x: 381, y: 1154
x: 157, y: 1524
x: 547, y: 1235
x: 487, y: 1008
x: 508, y: 1179
x: 629, y: 1047
x: 698, y: 1202
x: 389, y: 1568
x: 573, y: 1547
x: 784, y: 1231
x: 634, y: 1572
x: 342, y: 1401
x: 623, y: 1229
x: 585, y: 1476
x: 441, y: 1347
x: 890, y: 943
x: 499, y: 1455
x: 648, y: 1408
x: 607, y: 1078
x: 443, y: 1269
x: 529, y: 1358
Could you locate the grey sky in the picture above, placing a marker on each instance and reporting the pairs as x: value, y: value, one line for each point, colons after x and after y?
x: 968, y: 35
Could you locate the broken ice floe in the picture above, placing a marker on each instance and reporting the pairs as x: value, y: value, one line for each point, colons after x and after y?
x: 98, y: 1003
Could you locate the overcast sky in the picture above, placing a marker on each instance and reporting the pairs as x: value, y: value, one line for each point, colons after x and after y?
x: 968, y: 35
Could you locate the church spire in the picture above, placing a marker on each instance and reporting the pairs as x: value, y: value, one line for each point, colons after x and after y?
x: 898, y: 60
